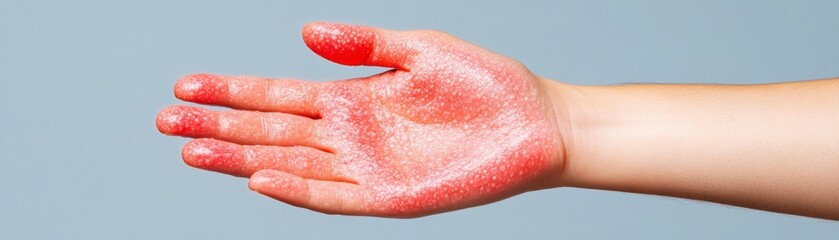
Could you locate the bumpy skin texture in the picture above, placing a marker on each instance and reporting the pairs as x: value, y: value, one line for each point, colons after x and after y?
x: 451, y: 126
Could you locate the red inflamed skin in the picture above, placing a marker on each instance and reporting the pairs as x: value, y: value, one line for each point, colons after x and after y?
x: 450, y: 126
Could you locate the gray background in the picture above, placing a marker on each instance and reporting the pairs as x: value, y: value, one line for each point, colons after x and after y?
x: 81, y: 83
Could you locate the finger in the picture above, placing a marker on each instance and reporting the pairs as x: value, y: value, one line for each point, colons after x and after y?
x: 359, y: 45
x: 250, y: 93
x: 244, y: 127
x: 238, y: 160
x: 322, y: 196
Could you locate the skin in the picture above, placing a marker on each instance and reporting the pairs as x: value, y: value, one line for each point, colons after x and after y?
x: 771, y: 147
x: 453, y: 125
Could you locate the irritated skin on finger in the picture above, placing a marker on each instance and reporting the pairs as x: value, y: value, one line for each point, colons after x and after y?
x: 202, y: 88
x: 463, y: 127
x: 183, y: 120
x: 344, y: 44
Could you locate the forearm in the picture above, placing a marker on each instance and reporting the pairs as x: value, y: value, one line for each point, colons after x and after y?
x: 773, y: 147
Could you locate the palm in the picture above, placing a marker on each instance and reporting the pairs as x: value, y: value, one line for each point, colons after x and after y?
x: 452, y: 126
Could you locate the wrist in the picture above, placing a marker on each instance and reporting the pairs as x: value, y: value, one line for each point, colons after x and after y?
x: 575, y: 111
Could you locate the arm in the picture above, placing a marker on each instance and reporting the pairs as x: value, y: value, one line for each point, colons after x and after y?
x: 773, y: 147
x: 452, y: 126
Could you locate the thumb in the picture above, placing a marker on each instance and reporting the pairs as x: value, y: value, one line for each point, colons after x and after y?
x: 359, y: 45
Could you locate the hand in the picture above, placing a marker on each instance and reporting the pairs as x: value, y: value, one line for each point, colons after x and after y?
x: 451, y: 126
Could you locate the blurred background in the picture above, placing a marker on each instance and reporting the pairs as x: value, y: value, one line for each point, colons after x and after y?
x: 82, y: 81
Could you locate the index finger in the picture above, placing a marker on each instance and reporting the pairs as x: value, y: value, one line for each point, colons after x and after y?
x: 251, y: 93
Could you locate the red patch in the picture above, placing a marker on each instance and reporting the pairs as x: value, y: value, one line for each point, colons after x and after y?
x: 343, y: 44
x: 185, y: 120
x: 202, y: 88
x: 214, y: 155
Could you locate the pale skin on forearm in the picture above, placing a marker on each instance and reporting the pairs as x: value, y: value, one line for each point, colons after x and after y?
x: 772, y: 147
x: 453, y: 126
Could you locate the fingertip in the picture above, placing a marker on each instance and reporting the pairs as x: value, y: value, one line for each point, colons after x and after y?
x: 279, y: 185
x: 261, y: 179
x: 185, y: 120
x: 341, y: 43
x: 164, y: 121
x: 201, y: 88
x: 214, y: 155
x: 310, y: 26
